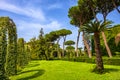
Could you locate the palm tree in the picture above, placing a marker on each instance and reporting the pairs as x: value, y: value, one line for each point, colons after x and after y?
x: 103, y: 7
x: 97, y: 27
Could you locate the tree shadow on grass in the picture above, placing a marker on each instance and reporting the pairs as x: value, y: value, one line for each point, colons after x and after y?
x: 38, y: 73
x: 33, y: 65
x: 28, y: 66
x: 109, y: 70
x: 106, y: 70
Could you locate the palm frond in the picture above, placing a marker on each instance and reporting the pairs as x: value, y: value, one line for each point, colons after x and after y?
x: 94, y: 26
x: 105, y: 25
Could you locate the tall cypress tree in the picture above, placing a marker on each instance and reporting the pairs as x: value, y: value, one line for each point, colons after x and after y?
x: 3, y: 45
x: 8, y: 50
x: 11, y: 64
x: 21, y: 61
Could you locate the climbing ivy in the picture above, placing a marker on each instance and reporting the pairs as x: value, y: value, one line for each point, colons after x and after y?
x: 3, y: 45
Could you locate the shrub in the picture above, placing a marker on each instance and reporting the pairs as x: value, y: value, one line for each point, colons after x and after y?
x: 106, y: 60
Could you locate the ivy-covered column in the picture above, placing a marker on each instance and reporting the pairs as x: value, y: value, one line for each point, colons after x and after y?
x: 3, y: 45
x: 21, y: 61
x: 11, y: 65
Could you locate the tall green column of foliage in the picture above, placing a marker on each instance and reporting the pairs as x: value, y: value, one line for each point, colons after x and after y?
x: 41, y: 49
x: 11, y: 65
x: 22, y: 56
x: 32, y: 46
x: 3, y: 45
x: 27, y: 51
x: 38, y: 47
x: 42, y: 46
x: 8, y: 50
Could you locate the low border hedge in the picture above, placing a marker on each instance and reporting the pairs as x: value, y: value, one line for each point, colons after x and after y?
x: 108, y: 61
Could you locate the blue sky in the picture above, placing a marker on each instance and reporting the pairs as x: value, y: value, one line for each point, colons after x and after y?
x: 32, y: 15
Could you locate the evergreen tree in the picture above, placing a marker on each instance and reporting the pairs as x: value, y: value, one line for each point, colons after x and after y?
x: 3, y: 45
x: 11, y: 65
x: 22, y: 56
x: 8, y: 50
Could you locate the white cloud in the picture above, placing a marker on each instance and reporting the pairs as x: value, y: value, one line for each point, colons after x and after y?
x: 27, y: 11
x: 55, y: 6
x: 31, y: 29
x: 53, y: 25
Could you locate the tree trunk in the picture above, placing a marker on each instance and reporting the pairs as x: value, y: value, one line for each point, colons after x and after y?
x: 64, y: 39
x: 99, y: 61
x: 77, y: 43
x: 87, y: 46
x: 104, y: 39
x: 106, y: 45
x: 59, y: 54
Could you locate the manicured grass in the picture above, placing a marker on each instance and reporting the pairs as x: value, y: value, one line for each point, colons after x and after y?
x: 65, y: 70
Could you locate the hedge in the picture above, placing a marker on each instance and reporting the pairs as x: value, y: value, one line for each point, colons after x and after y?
x: 107, y: 61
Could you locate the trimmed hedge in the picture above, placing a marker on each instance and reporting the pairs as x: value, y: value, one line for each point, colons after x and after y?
x: 108, y: 61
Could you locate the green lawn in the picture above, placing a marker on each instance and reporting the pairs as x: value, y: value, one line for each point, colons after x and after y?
x: 65, y: 70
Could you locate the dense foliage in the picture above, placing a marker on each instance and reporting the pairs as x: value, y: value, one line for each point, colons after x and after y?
x: 8, y: 45
x: 22, y: 55
x: 15, y: 53
x: 110, y: 35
